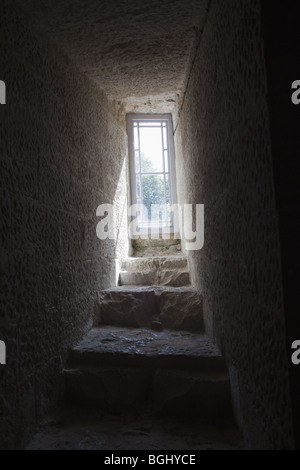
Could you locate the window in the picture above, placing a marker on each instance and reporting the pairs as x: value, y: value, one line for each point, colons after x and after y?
x: 152, y: 170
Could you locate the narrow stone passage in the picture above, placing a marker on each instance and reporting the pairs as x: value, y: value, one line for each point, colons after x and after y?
x: 146, y: 376
x: 84, y: 84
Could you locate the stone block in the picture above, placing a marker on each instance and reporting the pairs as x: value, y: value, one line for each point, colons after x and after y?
x: 181, y: 309
x: 127, y: 308
x: 204, y: 397
x: 110, y: 388
x: 176, y: 308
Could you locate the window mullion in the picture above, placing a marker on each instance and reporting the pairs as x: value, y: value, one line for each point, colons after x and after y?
x: 140, y: 172
x: 164, y: 168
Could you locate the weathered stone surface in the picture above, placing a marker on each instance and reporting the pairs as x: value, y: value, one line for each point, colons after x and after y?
x: 117, y: 389
x: 155, y: 271
x: 181, y: 310
x: 156, y: 262
x: 175, y: 372
x: 144, y: 278
x: 174, y: 278
x: 140, y: 264
x: 176, y: 308
x: 128, y: 308
x: 225, y: 139
x: 189, y: 394
x: 63, y: 152
x: 174, y: 262
x: 156, y: 325
x: 131, y: 48
x: 133, y: 347
x: 155, y: 278
x: 158, y: 246
x: 78, y: 428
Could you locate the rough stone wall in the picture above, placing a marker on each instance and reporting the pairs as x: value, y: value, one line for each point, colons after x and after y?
x: 132, y: 48
x: 280, y: 51
x: 224, y: 138
x: 63, y: 152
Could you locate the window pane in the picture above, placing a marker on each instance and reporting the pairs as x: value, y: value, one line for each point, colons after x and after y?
x: 151, y: 178
x: 159, y: 216
x: 153, y: 191
x: 169, y: 215
x: 138, y: 186
x: 151, y: 149
x: 140, y: 213
x: 167, y: 187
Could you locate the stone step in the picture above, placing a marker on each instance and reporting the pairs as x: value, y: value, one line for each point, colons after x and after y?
x: 158, y: 262
x: 151, y: 307
x: 155, y: 271
x: 154, y: 278
x: 128, y: 369
x: 152, y: 247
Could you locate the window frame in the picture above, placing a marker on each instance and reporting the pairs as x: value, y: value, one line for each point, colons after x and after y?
x: 143, y: 117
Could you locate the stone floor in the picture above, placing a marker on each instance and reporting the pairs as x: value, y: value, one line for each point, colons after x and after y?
x: 80, y: 429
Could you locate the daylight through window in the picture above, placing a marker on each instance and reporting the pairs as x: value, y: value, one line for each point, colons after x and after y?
x: 152, y: 170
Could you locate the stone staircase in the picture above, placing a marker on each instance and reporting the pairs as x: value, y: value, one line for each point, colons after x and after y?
x: 147, y: 351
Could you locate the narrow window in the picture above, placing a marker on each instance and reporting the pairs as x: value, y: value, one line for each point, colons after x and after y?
x: 152, y: 170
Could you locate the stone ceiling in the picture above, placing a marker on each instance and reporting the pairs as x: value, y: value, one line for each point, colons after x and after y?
x: 135, y: 49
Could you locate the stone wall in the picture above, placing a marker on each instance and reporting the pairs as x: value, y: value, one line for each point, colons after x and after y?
x: 63, y: 152
x: 281, y: 50
x: 224, y: 139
